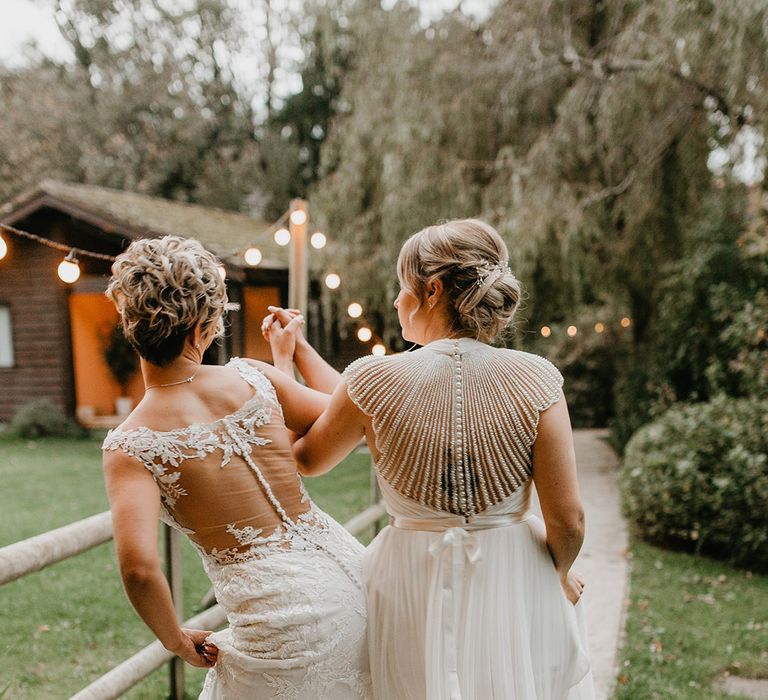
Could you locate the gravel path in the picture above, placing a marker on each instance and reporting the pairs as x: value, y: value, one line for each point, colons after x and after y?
x: 602, y: 560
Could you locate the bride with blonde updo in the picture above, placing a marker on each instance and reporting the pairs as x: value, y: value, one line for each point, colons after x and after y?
x: 470, y: 595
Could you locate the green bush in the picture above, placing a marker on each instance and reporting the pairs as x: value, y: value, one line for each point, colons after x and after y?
x: 697, y: 478
x: 41, y: 418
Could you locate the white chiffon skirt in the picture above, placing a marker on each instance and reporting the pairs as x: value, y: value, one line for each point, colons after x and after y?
x: 466, y: 614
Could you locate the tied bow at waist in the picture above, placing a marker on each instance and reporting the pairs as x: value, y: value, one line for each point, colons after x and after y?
x: 454, y: 549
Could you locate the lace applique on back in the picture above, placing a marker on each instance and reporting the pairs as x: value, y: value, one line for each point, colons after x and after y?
x: 212, y: 479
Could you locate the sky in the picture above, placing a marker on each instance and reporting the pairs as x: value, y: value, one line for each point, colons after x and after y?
x: 22, y: 21
x: 25, y: 21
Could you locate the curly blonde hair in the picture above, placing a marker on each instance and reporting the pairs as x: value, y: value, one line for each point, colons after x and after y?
x: 471, y: 260
x: 163, y: 288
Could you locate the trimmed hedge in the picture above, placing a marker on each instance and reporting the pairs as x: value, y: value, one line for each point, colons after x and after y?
x: 697, y: 478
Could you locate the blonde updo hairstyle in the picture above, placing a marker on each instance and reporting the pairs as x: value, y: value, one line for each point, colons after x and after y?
x: 471, y: 260
x: 163, y: 288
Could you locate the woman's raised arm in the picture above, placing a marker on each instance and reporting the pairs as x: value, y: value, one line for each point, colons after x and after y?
x: 316, y: 371
x: 333, y: 436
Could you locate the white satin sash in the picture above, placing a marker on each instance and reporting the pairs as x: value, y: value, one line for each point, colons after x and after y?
x: 457, y: 552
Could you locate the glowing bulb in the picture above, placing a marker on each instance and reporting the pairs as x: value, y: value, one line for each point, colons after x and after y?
x: 546, y: 331
x: 69, y: 270
x: 3, y: 248
x: 298, y: 217
x: 572, y: 331
x: 625, y: 322
x: 332, y: 281
x: 318, y: 240
x: 378, y: 349
x: 355, y: 310
x: 252, y: 256
x: 222, y: 272
x: 599, y: 327
x: 365, y: 334
x: 282, y: 236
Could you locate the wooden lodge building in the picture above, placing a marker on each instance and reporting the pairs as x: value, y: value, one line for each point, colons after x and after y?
x: 53, y: 335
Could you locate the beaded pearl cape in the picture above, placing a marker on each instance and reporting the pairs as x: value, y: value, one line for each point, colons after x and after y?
x: 455, y: 421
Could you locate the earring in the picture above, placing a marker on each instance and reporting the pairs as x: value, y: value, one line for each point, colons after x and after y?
x: 431, y: 304
x: 197, y: 345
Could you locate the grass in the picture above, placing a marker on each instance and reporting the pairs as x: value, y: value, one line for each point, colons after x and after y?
x: 690, y: 621
x: 66, y: 625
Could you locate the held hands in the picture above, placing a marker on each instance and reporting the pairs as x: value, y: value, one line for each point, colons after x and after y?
x: 573, y: 586
x: 282, y: 330
x: 195, y: 650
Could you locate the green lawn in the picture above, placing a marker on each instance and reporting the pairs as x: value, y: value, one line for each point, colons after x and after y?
x: 690, y: 620
x: 66, y: 625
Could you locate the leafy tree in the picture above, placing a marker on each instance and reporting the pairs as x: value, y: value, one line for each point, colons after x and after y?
x: 581, y: 129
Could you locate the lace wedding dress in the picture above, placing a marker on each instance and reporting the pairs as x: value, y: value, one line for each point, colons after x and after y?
x: 464, y: 602
x: 287, y: 574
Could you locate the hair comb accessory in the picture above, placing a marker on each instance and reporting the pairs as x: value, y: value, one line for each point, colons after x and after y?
x: 487, y: 270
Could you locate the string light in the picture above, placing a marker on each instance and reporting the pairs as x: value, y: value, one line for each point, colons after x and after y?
x: 355, y: 310
x: 298, y: 217
x: 69, y: 268
x: 364, y: 334
x: 318, y: 240
x: 3, y: 248
x: 546, y: 331
x: 572, y: 331
x: 282, y: 236
x: 625, y: 322
x: 599, y: 327
x: 378, y: 349
x: 332, y: 280
x: 252, y: 256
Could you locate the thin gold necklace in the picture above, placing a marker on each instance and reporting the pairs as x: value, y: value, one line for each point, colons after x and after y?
x: 181, y: 381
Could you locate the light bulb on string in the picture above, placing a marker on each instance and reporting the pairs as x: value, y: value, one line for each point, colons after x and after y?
x: 298, y: 217
x: 364, y: 334
x: 572, y: 331
x: 252, y: 256
x: 282, y: 236
x: 546, y: 331
x: 378, y: 349
x: 599, y: 327
x: 332, y: 280
x: 626, y: 322
x: 69, y: 268
x: 355, y: 310
x: 318, y: 240
x: 3, y: 248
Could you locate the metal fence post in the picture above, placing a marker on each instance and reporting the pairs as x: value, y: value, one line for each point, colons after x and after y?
x: 173, y: 572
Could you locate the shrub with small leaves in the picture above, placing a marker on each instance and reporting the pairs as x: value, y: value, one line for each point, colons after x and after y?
x: 42, y: 418
x: 697, y: 478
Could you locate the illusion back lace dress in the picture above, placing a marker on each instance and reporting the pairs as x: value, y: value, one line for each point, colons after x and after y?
x: 286, y: 573
x: 464, y: 602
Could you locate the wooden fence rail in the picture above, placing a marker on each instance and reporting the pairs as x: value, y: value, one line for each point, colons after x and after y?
x: 35, y: 553
x: 123, y: 677
x: 30, y: 555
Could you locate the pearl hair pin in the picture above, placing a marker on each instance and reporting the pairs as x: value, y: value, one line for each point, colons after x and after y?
x: 485, y: 270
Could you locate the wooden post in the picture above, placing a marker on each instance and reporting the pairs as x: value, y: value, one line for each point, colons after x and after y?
x: 298, y: 271
x: 173, y: 568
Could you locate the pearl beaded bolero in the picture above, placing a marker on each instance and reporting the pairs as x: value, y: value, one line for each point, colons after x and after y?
x: 455, y: 421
